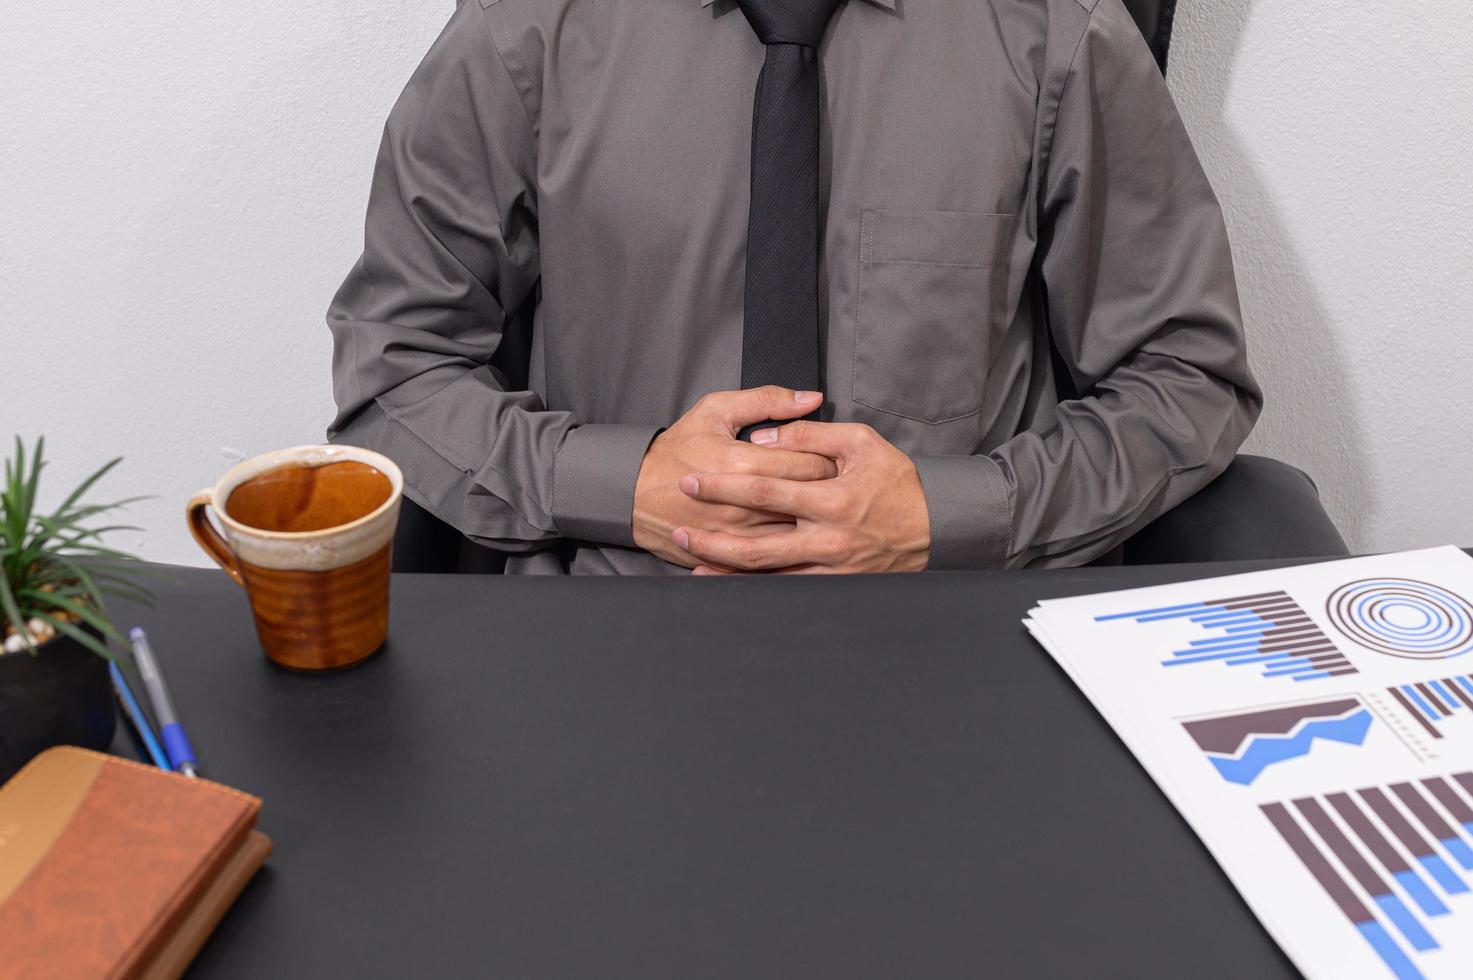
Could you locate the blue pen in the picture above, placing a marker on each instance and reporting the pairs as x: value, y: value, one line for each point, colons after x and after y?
x: 176, y: 743
x: 137, y: 717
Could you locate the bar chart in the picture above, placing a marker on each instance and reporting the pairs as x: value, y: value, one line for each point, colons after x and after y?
x: 1433, y: 703
x: 1268, y: 632
x: 1395, y: 860
x: 1314, y: 725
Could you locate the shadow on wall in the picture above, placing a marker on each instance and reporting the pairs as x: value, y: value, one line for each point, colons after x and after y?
x: 1311, y: 416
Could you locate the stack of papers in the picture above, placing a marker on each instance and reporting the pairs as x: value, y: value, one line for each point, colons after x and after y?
x: 1315, y: 727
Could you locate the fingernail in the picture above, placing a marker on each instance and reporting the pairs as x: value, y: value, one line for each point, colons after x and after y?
x: 700, y: 570
x: 689, y: 486
x: 765, y: 437
x: 682, y: 538
x: 806, y: 396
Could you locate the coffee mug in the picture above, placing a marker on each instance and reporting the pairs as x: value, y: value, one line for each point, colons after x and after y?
x: 308, y: 533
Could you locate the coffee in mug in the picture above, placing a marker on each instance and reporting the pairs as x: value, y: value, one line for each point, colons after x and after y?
x: 308, y: 532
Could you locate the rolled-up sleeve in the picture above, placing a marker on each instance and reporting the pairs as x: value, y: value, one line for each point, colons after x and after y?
x: 1143, y: 308
x: 450, y: 253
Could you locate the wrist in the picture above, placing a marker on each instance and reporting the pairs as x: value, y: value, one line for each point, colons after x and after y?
x: 969, y: 508
x: 595, y: 478
x: 915, y: 547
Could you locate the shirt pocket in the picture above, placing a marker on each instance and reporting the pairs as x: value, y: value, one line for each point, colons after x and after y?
x: 929, y: 285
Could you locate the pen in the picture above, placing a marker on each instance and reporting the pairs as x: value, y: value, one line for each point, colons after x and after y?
x: 176, y: 743
x: 137, y: 717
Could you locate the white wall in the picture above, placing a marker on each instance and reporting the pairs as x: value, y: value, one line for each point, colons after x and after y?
x: 1339, y: 136
x: 182, y: 187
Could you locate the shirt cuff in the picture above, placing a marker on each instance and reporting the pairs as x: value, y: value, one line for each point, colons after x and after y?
x: 971, y: 514
x: 593, y: 479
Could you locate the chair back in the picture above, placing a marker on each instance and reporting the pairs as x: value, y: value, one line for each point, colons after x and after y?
x: 1154, y: 18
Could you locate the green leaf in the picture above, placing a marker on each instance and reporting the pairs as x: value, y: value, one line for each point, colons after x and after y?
x: 54, y: 567
x: 132, y: 570
x: 99, y: 531
x: 25, y: 482
x: 86, y: 484
x: 117, y: 587
x: 71, y: 517
x: 88, y: 614
x: 17, y: 516
x: 58, y: 526
x: 81, y: 636
x: 13, y: 614
x: 84, y: 577
x: 29, y: 500
x: 95, y: 550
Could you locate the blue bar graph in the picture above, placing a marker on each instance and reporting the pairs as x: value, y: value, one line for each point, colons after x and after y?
x: 1396, y: 905
x: 1432, y: 702
x: 1269, y: 630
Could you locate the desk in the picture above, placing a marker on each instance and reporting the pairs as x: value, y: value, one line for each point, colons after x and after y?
x: 874, y: 777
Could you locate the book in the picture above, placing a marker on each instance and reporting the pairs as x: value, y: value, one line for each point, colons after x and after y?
x: 109, y: 868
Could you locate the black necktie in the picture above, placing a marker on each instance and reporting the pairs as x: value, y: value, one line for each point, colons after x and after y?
x: 780, y: 312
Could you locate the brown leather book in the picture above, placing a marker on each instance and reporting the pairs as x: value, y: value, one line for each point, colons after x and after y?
x: 109, y: 868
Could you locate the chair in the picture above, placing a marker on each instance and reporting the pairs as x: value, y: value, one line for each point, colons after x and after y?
x: 1258, y: 508
x: 1154, y: 18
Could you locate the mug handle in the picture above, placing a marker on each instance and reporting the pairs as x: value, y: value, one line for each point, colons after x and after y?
x: 209, y: 539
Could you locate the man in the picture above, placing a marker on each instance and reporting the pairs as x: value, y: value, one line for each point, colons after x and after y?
x: 599, y: 251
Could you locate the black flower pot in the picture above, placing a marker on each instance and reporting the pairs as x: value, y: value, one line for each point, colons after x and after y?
x: 61, y: 695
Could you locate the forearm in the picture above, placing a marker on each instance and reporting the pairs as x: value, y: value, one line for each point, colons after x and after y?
x: 586, y: 492
x: 1111, y: 464
x: 1163, y: 429
x: 444, y: 489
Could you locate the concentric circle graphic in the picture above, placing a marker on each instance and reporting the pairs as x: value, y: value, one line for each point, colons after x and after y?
x: 1403, y: 617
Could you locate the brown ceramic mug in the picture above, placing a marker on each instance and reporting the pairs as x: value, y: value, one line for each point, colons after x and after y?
x: 308, y: 532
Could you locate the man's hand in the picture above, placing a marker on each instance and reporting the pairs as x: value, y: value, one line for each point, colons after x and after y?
x: 872, y: 517
x: 704, y: 440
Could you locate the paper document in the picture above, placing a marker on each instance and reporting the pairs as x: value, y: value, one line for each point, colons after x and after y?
x: 1315, y: 727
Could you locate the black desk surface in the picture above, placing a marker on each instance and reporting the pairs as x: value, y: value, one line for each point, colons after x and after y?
x: 746, y: 778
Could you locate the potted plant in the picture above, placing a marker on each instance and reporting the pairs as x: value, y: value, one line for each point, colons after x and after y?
x: 54, y: 629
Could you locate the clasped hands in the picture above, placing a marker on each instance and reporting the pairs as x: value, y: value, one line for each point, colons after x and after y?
x: 804, y: 497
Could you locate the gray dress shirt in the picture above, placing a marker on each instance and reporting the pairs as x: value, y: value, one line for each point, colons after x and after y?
x: 555, y: 252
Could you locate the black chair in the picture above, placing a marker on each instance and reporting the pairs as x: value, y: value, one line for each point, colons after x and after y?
x: 424, y: 543
x: 1258, y: 508
x: 1154, y: 18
